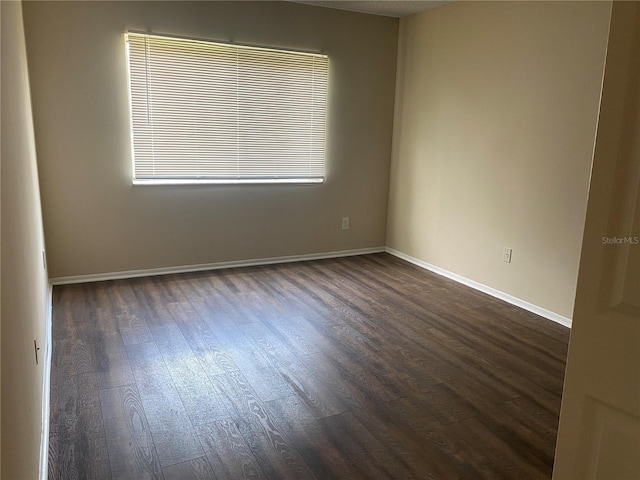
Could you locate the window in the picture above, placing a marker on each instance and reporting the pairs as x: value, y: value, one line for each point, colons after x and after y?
x: 206, y: 112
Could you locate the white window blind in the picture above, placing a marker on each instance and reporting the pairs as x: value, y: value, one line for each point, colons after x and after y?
x: 206, y: 112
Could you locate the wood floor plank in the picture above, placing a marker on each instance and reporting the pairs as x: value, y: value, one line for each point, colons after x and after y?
x: 363, y: 448
x: 200, y: 398
x: 277, y: 302
x: 78, y: 408
x: 75, y: 356
x: 71, y: 308
x: 442, y: 406
x: 523, y: 409
x: 206, y: 347
x: 112, y: 363
x: 273, y: 450
x: 151, y: 302
x: 494, y: 359
x: 303, y: 332
x: 369, y: 382
x: 419, y: 417
x: 309, y: 301
x: 287, y: 333
x: 498, y: 455
x: 125, y: 302
x: 267, y: 383
x: 371, y: 411
x: 228, y: 452
x: 324, y: 455
x: 196, y: 469
x: 133, y: 329
x: 346, y: 391
x: 307, y: 387
x: 355, y: 367
x: 132, y: 453
x: 371, y: 352
x: 263, y: 305
x: 85, y: 456
x: 172, y: 432
x: 65, y: 364
x: 230, y: 298
x: 54, y: 459
x: 527, y: 442
x: 77, y: 441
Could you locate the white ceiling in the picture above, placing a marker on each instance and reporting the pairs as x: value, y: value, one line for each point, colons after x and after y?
x: 388, y: 8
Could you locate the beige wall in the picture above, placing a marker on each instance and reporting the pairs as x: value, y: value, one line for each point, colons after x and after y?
x: 96, y: 221
x: 24, y: 280
x: 496, y: 110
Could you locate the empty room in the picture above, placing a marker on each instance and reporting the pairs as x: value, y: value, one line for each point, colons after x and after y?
x: 320, y: 240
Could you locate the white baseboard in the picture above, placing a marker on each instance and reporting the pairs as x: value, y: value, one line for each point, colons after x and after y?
x: 548, y: 314
x: 211, y: 266
x: 46, y: 386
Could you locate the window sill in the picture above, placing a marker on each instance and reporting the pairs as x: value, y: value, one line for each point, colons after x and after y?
x: 229, y: 181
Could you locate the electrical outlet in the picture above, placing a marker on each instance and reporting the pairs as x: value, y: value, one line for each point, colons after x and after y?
x: 506, y: 255
x: 345, y: 223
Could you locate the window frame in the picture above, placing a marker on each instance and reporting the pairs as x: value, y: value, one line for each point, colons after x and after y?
x: 183, y: 179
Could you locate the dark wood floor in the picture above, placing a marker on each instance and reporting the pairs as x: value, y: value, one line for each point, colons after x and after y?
x: 361, y: 367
